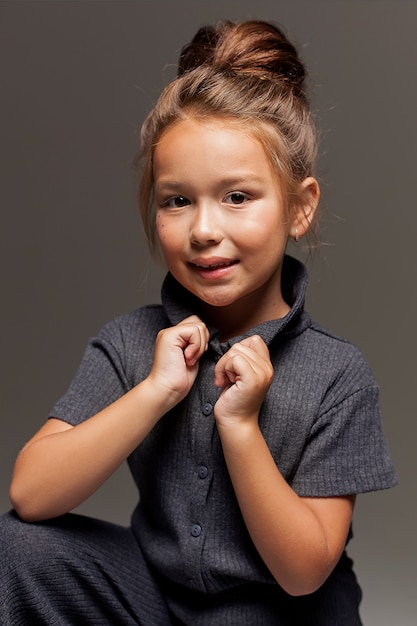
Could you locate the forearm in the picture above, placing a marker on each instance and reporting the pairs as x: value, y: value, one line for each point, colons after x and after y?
x: 56, y: 472
x: 286, y: 532
x: 61, y: 466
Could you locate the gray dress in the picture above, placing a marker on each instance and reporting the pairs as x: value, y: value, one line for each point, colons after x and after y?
x: 322, y: 425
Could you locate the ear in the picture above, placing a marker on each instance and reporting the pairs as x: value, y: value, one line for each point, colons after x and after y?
x: 305, y: 208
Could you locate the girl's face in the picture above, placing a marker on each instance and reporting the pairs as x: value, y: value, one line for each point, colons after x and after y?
x: 221, y: 219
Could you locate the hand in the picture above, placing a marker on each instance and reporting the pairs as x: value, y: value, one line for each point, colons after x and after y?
x: 245, y: 373
x: 177, y: 352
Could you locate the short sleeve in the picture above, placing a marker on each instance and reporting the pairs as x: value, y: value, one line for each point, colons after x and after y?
x: 116, y: 360
x: 100, y: 380
x: 346, y: 452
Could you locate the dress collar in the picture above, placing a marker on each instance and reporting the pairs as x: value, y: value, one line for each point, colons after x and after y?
x: 179, y: 303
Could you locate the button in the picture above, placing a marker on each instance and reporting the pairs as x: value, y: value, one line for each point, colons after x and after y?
x: 196, y: 530
x: 202, y: 471
x: 207, y: 408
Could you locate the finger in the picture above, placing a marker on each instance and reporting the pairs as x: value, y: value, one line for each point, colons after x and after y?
x: 256, y: 343
x: 244, y: 358
x: 247, y: 351
x: 235, y: 366
x: 194, y: 337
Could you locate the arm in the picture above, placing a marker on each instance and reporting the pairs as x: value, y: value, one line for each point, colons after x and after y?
x: 62, y: 465
x: 299, y: 539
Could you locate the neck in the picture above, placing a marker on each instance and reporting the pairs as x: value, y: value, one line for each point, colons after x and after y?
x: 236, y: 319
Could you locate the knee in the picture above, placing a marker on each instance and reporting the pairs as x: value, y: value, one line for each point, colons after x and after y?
x: 22, y: 543
x: 12, y: 530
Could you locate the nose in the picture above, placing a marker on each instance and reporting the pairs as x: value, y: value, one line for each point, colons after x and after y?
x: 205, y: 225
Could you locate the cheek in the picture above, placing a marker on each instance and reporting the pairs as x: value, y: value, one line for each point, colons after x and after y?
x: 168, y: 236
x: 160, y: 228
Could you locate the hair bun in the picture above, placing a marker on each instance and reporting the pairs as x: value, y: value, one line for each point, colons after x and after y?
x: 199, y: 51
x: 253, y: 47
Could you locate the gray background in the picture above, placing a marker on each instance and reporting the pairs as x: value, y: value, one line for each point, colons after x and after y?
x: 76, y: 80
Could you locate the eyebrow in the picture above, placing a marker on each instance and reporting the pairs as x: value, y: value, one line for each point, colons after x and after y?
x: 168, y: 184
x: 228, y: 181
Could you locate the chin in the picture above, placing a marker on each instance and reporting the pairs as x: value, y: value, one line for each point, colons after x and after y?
x: 218, y: 302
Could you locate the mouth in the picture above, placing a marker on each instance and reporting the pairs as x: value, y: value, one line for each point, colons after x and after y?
x: 214, y: 266
x: 213, y: 269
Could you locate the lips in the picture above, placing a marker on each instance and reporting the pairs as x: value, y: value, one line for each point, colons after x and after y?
x: 212, y: 262
x: 213, y: 268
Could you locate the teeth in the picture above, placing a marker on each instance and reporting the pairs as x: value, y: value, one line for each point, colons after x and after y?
x: 207, y: 267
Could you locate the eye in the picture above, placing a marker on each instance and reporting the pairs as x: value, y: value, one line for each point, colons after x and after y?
x: 236, y: 197
x: 176, y: 202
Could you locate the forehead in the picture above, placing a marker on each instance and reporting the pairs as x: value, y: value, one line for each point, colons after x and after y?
x: 209, y: 142
x: 192, y: 123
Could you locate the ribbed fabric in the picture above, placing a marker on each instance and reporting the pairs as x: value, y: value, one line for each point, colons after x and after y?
x: 75, y: 571
x: 320, y: 420
x: 335, y: 604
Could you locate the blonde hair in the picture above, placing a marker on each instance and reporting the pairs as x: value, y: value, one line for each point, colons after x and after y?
x: 250, y: 75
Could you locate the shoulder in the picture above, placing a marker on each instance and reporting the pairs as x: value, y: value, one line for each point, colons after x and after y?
x: 115, y: 360
x: 142, y: 323
x: 318, y: 344
x: 342, y: 365
x: 324, y: 365
x: 338, y: 349
x: 128, y: 341
x: 340, y: 346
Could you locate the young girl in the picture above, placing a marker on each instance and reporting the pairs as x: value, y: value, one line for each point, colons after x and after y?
x: 247, y: 427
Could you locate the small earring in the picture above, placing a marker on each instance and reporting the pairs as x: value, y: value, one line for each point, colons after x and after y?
x: 296, y: 235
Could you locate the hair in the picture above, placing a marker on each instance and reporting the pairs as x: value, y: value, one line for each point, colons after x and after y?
x: 249, y: 74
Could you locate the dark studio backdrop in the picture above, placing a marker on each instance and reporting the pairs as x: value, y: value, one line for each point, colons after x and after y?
x: 77, y: 78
